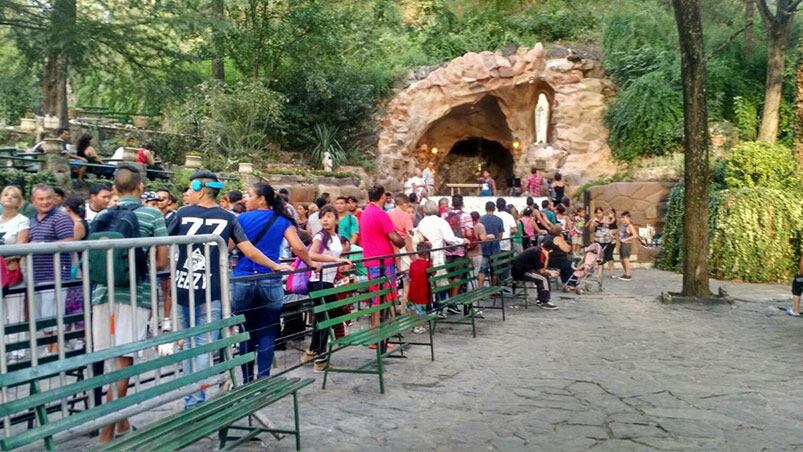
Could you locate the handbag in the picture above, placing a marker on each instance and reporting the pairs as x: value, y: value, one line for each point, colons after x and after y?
x: 298, y: 282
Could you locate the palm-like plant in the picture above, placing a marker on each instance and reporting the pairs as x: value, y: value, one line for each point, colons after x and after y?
x: 326, y: 138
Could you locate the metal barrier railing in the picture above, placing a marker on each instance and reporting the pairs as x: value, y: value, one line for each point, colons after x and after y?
x: 48, y: 324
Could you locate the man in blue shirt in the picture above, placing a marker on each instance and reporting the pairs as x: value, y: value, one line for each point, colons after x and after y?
x: 494, y: 227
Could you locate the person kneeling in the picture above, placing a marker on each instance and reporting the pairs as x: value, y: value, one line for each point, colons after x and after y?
x: 531, y: 266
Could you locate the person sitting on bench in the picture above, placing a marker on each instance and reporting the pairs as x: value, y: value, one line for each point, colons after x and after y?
x: 531, y: 266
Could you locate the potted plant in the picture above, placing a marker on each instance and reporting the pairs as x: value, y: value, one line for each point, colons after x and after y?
x: 192, y: 161
x: 28, y: 123
x: 141, y: 122
x: 246, y: 168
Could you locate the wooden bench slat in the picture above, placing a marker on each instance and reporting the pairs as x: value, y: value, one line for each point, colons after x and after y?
x: 46, y: 397
x: 450, y: 275
x: 354, y: 315
x: 26, y: 345
x: 353, y: 299
x: 373, y: 335
x: 77, y: 419
x: 43, y: 370
x: 348, y: 288
x: 22, y: 327
x: 461, y: 262
x: 189, y: 432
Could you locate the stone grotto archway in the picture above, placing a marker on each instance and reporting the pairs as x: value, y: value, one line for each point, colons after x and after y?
x: 494, y: 97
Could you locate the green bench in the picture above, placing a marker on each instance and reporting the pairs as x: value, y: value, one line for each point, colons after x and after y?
x: 443, y: 278
x: 215, y: 415
x: 501, y: 271
x: 393, y: 326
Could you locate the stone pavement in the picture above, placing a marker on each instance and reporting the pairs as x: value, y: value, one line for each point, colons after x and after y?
x: 611, y: 371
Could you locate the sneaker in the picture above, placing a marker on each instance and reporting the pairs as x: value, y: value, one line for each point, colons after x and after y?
x: 453, y: 310
x: 547, y: 305
x: 441, y: 315
x: 507, y: 290
x: 478, y: 314
x: 626, y: 278
x: 320, y: 366
x: 792, y: 313
x: 419, y: 330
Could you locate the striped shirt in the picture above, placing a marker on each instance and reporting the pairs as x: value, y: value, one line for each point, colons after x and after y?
x: 56, y: 225
x: 151, y: 224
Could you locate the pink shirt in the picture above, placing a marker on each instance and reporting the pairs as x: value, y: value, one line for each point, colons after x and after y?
x: 375, y: 225
x: 401, y: 221
x: 533, y: 184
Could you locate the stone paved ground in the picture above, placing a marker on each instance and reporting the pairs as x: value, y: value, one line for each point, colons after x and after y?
x: 612, y: 371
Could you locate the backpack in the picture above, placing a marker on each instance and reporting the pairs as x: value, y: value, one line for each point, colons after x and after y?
x: 117, y: 222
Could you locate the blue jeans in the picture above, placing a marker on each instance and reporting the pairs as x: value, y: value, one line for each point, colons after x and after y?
x: 261, y: 302
x: 200, y: 362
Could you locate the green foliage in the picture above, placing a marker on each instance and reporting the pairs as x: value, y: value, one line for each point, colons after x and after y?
x: 671, y: 255
x: 745, y: 115
x: 231, y: 123
x: 755, y: 216
x: 755, y: 234
x: 646, y: 118
x: 327, y: 142
x: 18, y: 91
x: 762, y: 165
x: 25, y: 180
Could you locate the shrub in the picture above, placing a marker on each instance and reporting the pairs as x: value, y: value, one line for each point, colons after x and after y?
x: 25, y: 180
x: 646, y: 118
x: 754, y: 233
x: 762, y: 165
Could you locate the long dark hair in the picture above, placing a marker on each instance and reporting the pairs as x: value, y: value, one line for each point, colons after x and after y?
x: 83, y: 143
x: 326, y: 236
x: 275, y: 202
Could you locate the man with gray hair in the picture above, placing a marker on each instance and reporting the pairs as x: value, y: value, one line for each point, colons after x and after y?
x: 50, y: 224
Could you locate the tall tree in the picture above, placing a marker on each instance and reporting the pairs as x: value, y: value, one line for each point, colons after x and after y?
x: 779, y: 28
x: 695, y: 144
x: 218, y: 66
x: 799, y: 110
x: 749, y: 11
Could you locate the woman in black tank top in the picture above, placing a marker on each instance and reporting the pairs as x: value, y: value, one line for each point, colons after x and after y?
x: 558, y: 253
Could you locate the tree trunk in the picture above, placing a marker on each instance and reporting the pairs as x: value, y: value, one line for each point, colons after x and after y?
x: 749, y: 11
x: 799, y: 111
x: 56, y: 66
x: 695, y: 143
x: 218, y: 67
x: 776, y: 52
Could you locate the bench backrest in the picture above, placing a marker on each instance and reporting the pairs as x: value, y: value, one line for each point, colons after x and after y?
x: 440, y: 277
x: 72, y: 323
x: 351, y: 294
x: 501, y: 264
x: 38, y: 399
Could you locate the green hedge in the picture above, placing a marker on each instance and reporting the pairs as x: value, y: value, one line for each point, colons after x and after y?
x: 758, y: 164
x: 25, y: 180
x: 754, y: 233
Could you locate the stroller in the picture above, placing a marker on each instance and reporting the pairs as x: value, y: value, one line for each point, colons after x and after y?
x: 584, y: 270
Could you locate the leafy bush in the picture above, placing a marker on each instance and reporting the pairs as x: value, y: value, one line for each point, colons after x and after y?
x: 745, y: 115
x: 646, y: 118
x: 230, y: 122
x: 755, y: 234
x: 762, y: 165
x: 25, y: 180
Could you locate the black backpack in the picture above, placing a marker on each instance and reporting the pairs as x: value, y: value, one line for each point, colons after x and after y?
x: 116, y: 222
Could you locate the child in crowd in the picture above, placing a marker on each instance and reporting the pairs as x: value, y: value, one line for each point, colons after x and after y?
x: 627, y: 235
x: 578, y: 224
x: 419, y: 294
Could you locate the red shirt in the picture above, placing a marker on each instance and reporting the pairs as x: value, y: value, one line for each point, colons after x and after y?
x: 418, y: 293
x: 375, y: 225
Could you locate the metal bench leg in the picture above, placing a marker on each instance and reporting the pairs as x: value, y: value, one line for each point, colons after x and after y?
x: 431, y: 341
x: 295, y: 418
x: 471, y: 313
x: 328, y: 360
x: 222, y: 436
x: 381, y: 371
x: 502, y: 297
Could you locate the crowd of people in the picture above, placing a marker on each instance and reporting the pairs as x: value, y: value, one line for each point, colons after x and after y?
x: 85, y: 159
x: 395, y: 236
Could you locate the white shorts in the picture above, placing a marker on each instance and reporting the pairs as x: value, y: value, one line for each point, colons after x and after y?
x: 107, y: 335
x: 403, y: 262
x: 44, y: 302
